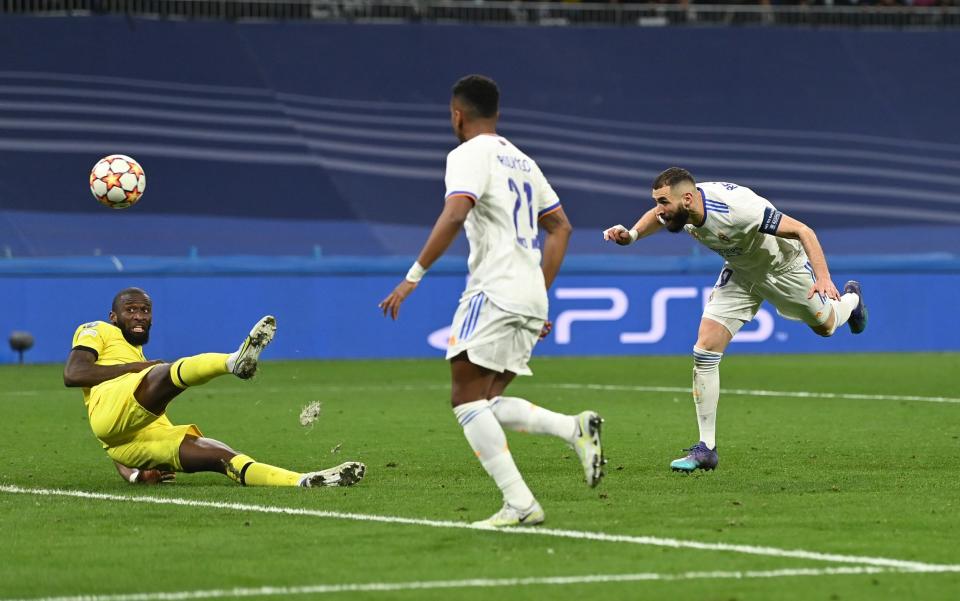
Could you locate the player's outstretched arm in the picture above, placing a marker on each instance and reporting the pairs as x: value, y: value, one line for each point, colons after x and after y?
x: 791, y: 228
x: 444, y: 232
x: 81, y: 369
x: 646, y: 225
x: 558, y: 230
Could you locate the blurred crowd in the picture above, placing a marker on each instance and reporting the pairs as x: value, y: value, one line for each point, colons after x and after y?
x: 817, y: 3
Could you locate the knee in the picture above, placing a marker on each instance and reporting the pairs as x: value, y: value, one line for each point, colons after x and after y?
x: 716, y: 332
x: 465, y: 394
x: 706, y: 346
x: 204, y: 455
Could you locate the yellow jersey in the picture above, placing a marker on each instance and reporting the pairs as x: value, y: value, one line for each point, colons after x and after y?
x: 108, y: 344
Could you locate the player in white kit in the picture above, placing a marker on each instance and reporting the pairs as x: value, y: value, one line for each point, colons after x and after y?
x: 500, y: 196
x: 768, y: 256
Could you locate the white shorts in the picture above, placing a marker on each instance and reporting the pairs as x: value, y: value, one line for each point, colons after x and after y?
x: 493, y: 338
x: 736, y: 299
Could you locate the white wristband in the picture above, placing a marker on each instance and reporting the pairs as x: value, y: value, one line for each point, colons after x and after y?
x: 133, y: 476
x: 416, y: 272
x: 634, y: 234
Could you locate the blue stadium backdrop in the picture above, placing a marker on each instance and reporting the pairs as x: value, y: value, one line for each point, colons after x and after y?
x: 336, y: 316
x: 284, y: 161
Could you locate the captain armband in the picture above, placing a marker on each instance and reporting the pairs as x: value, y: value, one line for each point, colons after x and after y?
x: 771, y: 221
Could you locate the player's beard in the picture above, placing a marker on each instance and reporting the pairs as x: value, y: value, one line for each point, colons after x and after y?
x: 678, y: 220
x: 136, y: 338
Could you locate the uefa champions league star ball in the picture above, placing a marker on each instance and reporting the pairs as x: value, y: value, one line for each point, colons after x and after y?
x: 117, y: 181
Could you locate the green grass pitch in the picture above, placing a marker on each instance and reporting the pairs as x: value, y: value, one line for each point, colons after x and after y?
x: 874, y: 477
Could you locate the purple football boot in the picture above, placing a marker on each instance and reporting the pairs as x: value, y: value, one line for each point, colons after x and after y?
x: 858, y: 317
x: 698, y: 457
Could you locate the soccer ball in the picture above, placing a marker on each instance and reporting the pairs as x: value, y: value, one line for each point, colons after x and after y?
x: 117, y: 181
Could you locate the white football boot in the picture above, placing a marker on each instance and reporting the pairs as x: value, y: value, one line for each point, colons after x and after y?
x: 345, y: 474
x: 243, y: 363
x: 511, y: 516
x: 588, y: 447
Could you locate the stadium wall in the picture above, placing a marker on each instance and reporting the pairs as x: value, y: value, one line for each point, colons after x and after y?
x: 307, y: 144
x: 329, y: 310
x: 316, y: 135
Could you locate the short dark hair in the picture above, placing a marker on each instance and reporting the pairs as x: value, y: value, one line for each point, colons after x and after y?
x: 115, y: 307
x: 480, y: 94
x: 673, y: 176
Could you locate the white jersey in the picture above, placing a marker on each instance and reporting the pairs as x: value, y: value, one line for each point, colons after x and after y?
x: 739, y: 225
x: 510, y: 194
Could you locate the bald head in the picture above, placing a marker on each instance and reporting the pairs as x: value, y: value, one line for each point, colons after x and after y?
x: 118, y: 300
x: 132, y: 312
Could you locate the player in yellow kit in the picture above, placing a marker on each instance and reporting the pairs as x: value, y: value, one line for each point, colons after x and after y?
x: 127, y: 396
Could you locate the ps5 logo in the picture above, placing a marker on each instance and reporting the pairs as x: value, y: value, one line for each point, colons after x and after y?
x: 660, y: 301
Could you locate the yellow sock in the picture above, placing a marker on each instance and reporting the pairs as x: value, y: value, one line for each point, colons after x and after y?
x: 244, y: 470
x: 198, y: 369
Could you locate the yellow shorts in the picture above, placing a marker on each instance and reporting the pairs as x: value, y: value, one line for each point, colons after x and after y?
x: 132, y: 435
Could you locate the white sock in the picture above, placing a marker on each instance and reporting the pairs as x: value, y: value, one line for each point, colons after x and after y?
x: 489, y: 443
x: 843, y: 307
x: 706, y: 392
x: 232, y: 360
x: 521, y: 415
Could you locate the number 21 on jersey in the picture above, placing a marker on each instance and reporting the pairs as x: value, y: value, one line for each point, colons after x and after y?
x: 523, y: 220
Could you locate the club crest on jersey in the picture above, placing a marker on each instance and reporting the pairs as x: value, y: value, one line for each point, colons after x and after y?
x: 723, y: 237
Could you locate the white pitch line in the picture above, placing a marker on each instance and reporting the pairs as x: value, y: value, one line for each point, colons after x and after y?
x: 634, y: 388
x: 749, y: 392
x: 570, y: 534
x: 575, y: 386
x: 314, y: 589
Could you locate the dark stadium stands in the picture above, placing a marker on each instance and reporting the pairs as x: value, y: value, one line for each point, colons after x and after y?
x: 269, y: 123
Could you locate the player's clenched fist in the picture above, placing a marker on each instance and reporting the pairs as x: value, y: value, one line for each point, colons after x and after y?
x: 619, y: 234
